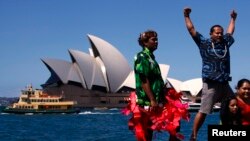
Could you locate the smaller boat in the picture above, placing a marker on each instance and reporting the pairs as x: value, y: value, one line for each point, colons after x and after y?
x: 195, y: 106
x: 100, y: 108
x: 36, y: 101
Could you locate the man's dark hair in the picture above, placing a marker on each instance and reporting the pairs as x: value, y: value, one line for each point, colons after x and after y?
x: 212, y: 28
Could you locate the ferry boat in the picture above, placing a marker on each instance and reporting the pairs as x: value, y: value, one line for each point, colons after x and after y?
x: 32, y: 101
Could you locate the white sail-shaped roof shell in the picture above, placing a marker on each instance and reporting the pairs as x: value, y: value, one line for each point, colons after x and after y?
x: 164, y: 71
x: 117, y: 67
x: 64, y: 70
x: 194, y: 86
x: 74, y: 76
x: 89, y: 69
x: 130, y: 80
x: 176, y: 84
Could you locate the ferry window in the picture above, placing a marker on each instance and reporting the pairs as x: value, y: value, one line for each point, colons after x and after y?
x: 103, y: 102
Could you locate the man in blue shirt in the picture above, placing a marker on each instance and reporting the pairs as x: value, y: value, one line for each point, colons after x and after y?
x: 215, y: 56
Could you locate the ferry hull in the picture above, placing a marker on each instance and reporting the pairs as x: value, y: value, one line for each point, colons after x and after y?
x: 26, y: 111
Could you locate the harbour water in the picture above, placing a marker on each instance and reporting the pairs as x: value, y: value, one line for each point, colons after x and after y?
x: 91, y: 125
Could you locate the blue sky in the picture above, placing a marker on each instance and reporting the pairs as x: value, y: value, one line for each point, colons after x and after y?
x: 35, y: 29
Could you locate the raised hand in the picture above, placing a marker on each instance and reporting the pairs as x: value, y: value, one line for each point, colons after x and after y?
x: 233, y: 14
x: 187, y: 11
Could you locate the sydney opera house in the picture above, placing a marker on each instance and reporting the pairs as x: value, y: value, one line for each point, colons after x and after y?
x: 102, y: 78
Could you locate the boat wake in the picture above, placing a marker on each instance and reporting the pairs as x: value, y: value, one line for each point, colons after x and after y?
x: 97, y: 113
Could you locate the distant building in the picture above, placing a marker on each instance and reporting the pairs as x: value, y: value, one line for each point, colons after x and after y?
x: 101, y: 78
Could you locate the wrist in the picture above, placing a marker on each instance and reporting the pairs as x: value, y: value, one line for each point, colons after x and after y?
x: 152, y: 99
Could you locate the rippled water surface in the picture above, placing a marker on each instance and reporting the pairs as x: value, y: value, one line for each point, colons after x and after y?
x: 94, y: 125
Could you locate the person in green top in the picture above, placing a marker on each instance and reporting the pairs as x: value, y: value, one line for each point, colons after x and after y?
x: 149, y: 86
x: 149, y: 82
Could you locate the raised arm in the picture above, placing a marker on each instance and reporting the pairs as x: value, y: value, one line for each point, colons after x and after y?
x: 231, y: 26
x: 188, y: 21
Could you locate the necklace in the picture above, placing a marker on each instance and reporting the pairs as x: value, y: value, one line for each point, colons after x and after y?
x: 220, y: 56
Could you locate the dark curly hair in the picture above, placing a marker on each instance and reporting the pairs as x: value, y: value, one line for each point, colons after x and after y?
x: 144, y: 36
x: 226, y: 117
x: 212, y: 28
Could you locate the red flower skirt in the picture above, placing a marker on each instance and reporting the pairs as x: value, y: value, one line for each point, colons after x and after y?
x: 167, y: 118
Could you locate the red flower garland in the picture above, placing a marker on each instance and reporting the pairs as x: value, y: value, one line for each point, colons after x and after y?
x: 167, y: 117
